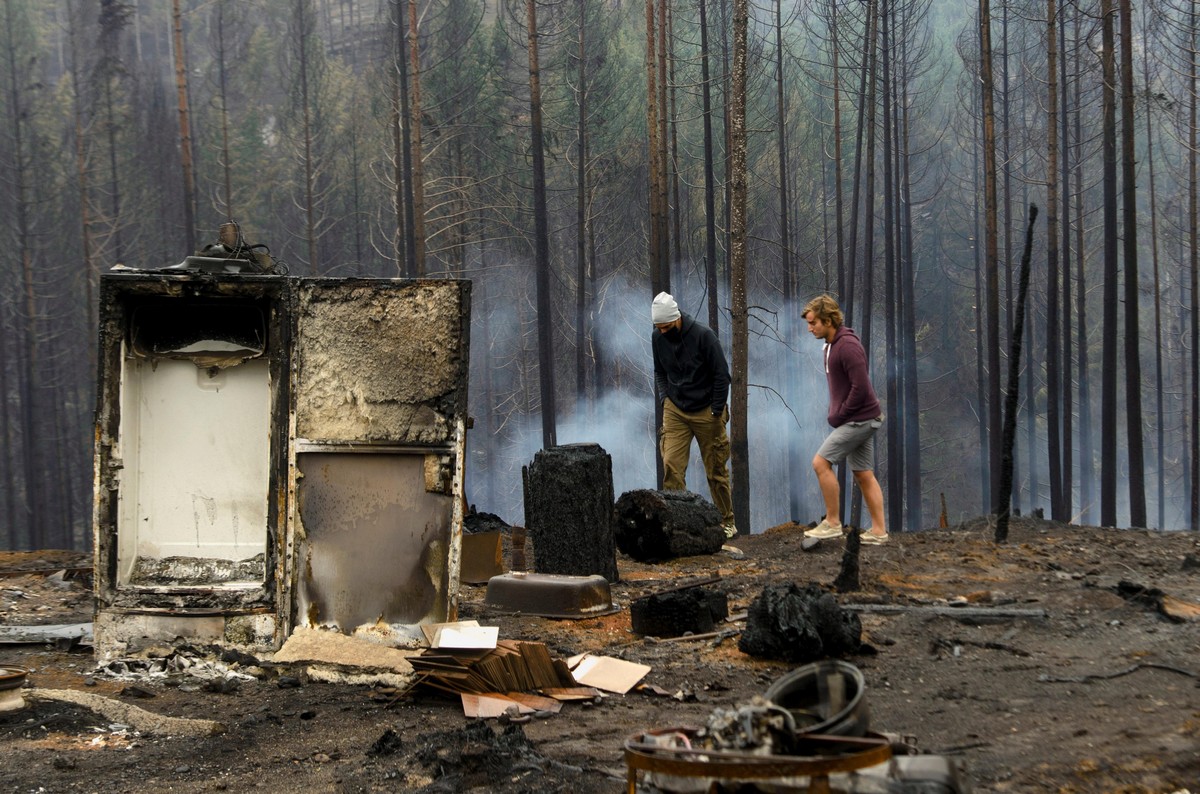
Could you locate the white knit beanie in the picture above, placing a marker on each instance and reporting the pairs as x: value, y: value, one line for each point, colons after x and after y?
x: 664, y: 309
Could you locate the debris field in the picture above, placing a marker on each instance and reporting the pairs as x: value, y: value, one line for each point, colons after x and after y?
x: 1065, y: 660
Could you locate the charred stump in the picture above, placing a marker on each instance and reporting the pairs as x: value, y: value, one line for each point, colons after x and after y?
x: 569, y: 511
x: 799, y: 625
x: 847, y: 578
x: 653, y: 526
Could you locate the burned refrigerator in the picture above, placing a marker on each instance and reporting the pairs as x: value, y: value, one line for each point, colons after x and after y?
x: 275, y: 452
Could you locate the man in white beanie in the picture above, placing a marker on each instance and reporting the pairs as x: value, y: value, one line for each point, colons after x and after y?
x: 691, y: 377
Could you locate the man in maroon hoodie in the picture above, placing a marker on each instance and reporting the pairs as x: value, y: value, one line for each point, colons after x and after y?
x: 854, y: 415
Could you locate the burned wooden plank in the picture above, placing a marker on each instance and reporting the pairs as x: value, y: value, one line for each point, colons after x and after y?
x: 979, y: 613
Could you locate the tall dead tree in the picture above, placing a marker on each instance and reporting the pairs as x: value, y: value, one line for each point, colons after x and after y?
x: 541, y: 222
x: 991, y: 246
x: 660, y: 274
x: 304, y: 37
x: 185, y: 127
x: 79, y: 114
x: 221, y: 59
x: 664, y: 202
x: 846, y: 287
x: 18, y: 177
x: 1087, y: 457
x: 838, y: 178
x: 1193, y: 230
x: 1108, y: 356
x: 896, y: 464
x: 737, y: 234
x: 406, y: 245
x: 1066, y: 395
x: 1133, y: 359
x: 581, y: 225
x: 1014, y: 374
x: 1159, y: 342
x: 790, y: 297
x: 710, y: 189
x: 1053, y: 331
x: 414, y: 123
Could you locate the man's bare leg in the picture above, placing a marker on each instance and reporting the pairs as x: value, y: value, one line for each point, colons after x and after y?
x: 830, y: 490
x: 873, y: 496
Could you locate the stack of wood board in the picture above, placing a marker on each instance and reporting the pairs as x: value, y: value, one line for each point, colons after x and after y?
x: 512, y: 666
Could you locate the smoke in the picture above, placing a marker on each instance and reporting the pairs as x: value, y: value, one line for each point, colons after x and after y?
x: 787, y: 405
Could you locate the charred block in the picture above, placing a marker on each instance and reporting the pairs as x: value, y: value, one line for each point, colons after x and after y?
x: 569, y: 511
x: 695, y: 610
x: 475, y: 522
x: 653, y: 526
x: 799, y: 625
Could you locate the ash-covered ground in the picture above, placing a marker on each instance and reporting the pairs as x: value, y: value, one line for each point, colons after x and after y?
x: 1065, y: 660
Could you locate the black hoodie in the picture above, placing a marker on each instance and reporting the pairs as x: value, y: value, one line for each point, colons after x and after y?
x: 691, y: 370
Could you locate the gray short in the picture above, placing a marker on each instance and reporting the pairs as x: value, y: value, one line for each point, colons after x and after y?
x: 853, y: 441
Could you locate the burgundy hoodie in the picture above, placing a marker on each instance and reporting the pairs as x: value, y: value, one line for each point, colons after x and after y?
x: 851, y: 397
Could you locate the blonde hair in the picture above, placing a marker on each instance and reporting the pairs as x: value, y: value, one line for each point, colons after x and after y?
x: 825, y: 309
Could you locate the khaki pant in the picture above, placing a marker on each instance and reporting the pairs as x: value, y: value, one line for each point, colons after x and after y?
x: 675, y: 442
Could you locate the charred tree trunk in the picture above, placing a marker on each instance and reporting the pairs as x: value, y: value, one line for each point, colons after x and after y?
x: 404, y: 181
x: 1159, y: 342
x: 1193, y: 155
x: 1133, y: 359
x: 794, y: 465
x: 1014, y: 375
x: 418, y: 169
x: 304, y: 33
x: 664, y: 202
x: 541, y: 221
x: 1054, y: 381
x: 185, y: 128
x: 740, y: 452
x: 581, y: 97
x: 223, y: 101
x: 1066, y: 392
x: 839, y: 214
x: 657, y: 266
x: 868, y: 50
x: 1108, y: 356
x: 1087, y: 469
x: 991, y: 252
x: 895, y: 469
x: 710, y: 216
x: 29, y: 357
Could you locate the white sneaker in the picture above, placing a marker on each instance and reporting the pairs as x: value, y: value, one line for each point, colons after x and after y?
x: 869, y: 538
x: 824, y: 530
x: 730, y: 530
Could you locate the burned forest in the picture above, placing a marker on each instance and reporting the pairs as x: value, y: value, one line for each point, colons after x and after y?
x: 742, y: 157
x: 330, y: 431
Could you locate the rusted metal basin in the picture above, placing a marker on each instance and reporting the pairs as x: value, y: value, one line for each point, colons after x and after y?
x: 12, y: 678
x: 674, y: 760
x: 825, y: 697
x: 550, y: 595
